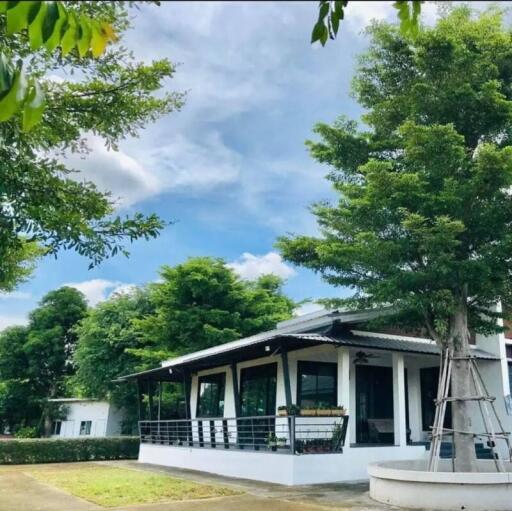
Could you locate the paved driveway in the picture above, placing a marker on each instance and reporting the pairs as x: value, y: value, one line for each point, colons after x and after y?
x: 20, y: 492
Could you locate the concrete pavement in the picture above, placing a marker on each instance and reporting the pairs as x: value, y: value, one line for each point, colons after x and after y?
x: 21, y: 492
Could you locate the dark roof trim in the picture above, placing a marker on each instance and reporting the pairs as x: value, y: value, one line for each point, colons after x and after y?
x: 241, y: 352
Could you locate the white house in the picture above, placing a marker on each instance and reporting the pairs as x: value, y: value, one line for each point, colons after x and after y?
x: 234, y: 393
x: 87, y: 418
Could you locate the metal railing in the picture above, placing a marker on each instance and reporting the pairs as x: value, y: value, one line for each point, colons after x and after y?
x: 289, y: 435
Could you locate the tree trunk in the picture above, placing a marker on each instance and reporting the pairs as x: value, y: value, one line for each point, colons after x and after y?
x: 465, y: 457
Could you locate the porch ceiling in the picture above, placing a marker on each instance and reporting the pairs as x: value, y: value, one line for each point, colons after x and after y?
x: 263, y: 346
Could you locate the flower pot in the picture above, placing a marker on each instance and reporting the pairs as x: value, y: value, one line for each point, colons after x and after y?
x: 282, y: 413
x: 308, y: 413
x: 323, y: 413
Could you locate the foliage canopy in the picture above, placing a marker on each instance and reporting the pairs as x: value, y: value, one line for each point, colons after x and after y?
x: 424, y: 207
x: 108, y: 95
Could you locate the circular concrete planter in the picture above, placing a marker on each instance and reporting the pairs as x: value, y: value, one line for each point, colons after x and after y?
x: 408, y: 484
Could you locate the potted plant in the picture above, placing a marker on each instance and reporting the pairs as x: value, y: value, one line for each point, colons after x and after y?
x: 272, y: 441
x: 323, y: 411
x: 281, y: 441
x: 282, y: 411
x: 293, y: 410
x: 338, y: 411
x: 308, y: 411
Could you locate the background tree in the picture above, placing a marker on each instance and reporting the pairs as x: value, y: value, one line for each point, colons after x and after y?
x: 203, y: 303
x: 37, y: 360
x: 424, y: 212
x: 107, y: 338
x: 199, y: 304
x: 111, y: 96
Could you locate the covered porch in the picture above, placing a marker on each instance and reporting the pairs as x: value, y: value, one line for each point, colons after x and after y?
x: 235, y: 397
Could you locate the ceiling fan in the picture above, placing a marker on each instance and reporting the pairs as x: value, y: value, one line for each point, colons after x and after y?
x: 362, y: 357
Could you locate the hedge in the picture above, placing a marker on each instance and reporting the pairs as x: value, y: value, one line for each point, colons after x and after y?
x: 46, y: 450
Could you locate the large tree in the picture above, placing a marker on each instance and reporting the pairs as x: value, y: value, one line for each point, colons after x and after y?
x: 44, y: 205
x: 424, y: 211
x: 203, y: 303
x: 37, y: 360
x: 198, y: 304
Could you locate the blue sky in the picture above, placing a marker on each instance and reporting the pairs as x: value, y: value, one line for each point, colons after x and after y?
x: 231, y: 168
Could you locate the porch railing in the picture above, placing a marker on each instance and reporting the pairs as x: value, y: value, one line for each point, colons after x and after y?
x: 287, y: 435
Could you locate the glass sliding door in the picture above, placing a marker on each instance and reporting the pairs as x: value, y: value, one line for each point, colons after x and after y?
x: 374, y: 405
x: 258, y: 387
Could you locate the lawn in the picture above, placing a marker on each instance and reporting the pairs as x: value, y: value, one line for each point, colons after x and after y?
x: 112, y: 487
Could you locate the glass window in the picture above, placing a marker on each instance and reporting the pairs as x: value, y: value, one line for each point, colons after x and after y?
x: 510, y: 377
x: 317, y: 384
x: 57, y: 427
x: 258, y: 390
x: 429, y: 379
x: 85, y: 427
x: 210, y: 402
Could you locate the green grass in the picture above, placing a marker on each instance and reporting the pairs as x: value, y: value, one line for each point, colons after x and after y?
x: 112, y: 487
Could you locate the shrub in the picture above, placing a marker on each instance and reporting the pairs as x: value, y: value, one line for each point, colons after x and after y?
x: 44, y: 450
x: 27, y: 432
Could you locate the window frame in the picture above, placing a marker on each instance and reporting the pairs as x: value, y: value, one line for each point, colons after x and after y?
x: 302, y: 366
x: 57, y: 427
x: 268, y: 371
x: 221, y: 377
x: 87, y: 430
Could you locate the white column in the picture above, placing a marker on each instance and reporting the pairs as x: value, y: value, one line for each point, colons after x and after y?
x: 344, y: 389
x: 399, y: 400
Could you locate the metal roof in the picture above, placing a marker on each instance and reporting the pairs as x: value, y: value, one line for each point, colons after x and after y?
x: 387, y: 344
x: 265, y: 344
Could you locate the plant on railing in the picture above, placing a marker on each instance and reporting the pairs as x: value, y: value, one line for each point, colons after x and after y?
x: 283, y: 411
x: 337, y: 438
x: 273, y: 441
x: 322, y: 411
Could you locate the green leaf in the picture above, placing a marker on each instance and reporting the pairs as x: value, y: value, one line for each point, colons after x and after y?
x: 99, y: 40
x: 85, y: 33
x: 3, y: 6
x: 335, y: 23
x: 70, y: 38
x: 17, y: 17
x: 323, y: 11
x: 33, y: 11
x: 13, y: 100
x: 6, y: 75
x: 339, y: 7
x: 35, y: 28
x: 50, y: 20
x: 55, y: 39
x: 318, y: 31
x: 34, y: 107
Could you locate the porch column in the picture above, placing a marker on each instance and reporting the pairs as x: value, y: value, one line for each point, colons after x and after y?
x: 344, y: 389
x: 236, y: 395
x: 399, y: 413
x: 286, y: 377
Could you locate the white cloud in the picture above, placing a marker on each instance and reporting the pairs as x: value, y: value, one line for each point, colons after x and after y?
x: 195, y: 166
x: 7, y: 320
x: 250, y: 266
x: 98, y: 290
x: 114, y: 171
x: 16, y: 295
x: 308, y: 308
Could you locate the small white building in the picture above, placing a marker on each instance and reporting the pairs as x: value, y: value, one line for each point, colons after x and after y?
x: 235, y: 393
x: 87, y: 418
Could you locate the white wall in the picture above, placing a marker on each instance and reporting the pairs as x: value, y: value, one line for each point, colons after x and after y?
x: 105, y: 420
x: 270, y: 467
